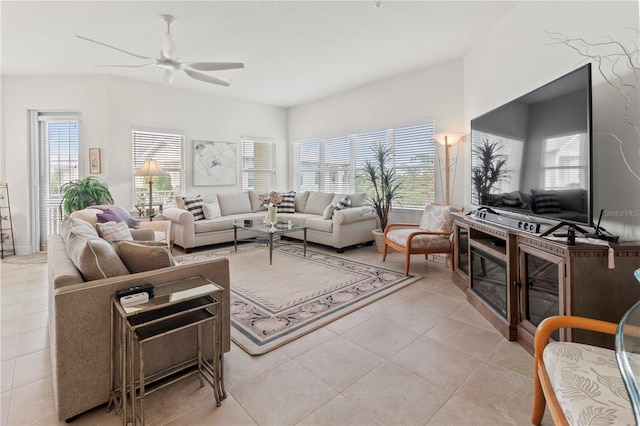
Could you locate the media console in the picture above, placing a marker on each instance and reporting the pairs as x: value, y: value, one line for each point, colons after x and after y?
x: 516, y: 278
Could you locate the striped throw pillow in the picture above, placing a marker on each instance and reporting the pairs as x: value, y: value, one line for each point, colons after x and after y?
x: 195, y: 206
x: 546, y: 201
x: 288, y: 204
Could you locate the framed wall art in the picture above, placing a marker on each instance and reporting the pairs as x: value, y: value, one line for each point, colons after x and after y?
x: 214, y: 163
x: 95, y: 163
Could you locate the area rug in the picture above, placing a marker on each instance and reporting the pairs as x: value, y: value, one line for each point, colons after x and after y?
x: 27, y: 259
x: 274, y: 305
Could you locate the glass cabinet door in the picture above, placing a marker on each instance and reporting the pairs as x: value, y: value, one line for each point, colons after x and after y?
x: 540, y: 278
x: 462, y: 254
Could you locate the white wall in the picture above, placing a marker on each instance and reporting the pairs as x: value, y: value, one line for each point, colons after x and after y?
x: 432, y: 93
x: 109, y: 108
x: 517, y: 56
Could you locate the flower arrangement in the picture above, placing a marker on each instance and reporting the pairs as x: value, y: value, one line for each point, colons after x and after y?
x: 270, y: 199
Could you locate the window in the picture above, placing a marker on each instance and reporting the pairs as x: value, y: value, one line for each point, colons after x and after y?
x: 167, y: 149
x: 258, y: 164
x: 333, y: 164
x: 59, y: 145
x: 565, y: 162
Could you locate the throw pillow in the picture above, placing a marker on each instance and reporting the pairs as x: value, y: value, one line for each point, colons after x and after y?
x: 94, y: 257
x: 328, y: 212
x: 142, y: 257
x: 234, y: 203
x: 255, y: 202
x: 121, y: 212
x: 108, y: 216
x: 546, y: 201
x: 211, y: 211
x: 114, y: 231
x: 436, y: 218
x: 194, y: 205
x: 512, y: 199
x: 344, y: 203
x: 79, y: 226
x: 288, y: 202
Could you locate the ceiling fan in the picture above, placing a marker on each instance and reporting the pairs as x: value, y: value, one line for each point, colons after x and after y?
x: 168, y: 60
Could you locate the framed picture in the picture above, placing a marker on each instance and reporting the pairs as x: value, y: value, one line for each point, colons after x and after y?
x: 214, y: 163
x: 95, y: 166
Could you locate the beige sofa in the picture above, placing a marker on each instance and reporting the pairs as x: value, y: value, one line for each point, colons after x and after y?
x: 80, y: 324
x: 346, y: 227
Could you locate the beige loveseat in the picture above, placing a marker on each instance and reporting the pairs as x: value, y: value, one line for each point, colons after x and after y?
x: 80, y: 324
x: 344, y: 228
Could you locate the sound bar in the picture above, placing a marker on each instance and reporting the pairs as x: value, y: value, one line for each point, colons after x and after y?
x: 523, y: 225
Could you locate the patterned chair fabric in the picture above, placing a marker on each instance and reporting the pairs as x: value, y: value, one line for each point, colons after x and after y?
x: 588, y: 384
x: 432, y: 235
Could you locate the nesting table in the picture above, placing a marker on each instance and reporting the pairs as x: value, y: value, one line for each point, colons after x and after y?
x: 177, y: 306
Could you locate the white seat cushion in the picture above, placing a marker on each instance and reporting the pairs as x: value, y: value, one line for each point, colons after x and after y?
x: 588, y: 384
x: 399, y: 236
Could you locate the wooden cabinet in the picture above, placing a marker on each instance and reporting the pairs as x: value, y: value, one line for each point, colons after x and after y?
x: 516, y: 279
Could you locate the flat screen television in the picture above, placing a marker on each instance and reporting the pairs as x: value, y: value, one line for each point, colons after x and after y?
x: 532, y: 155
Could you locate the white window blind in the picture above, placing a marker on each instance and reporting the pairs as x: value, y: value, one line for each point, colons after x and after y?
x: 59, y: 138
x: 168, y: 150
x: 565, y: 162
x: 258, y: 164
x: 332, y: 164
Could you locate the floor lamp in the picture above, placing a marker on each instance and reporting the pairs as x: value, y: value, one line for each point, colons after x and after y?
x: 149, y: 169
x: 448, y: 139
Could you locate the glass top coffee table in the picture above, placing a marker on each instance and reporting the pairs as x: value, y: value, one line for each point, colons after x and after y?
x: 268, y: 233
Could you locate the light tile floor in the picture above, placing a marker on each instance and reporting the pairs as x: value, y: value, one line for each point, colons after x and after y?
x: 420, y: 356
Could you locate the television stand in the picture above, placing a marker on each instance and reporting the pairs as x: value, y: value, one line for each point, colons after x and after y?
x: 483, y: 209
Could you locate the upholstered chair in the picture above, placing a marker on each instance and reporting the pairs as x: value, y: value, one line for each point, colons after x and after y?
x: 432, y: 235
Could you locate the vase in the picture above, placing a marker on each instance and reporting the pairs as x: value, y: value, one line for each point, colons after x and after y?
x: 272, y: 217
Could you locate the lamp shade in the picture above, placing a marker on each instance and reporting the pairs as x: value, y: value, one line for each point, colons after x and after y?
x: 150, y: 167
x: 449, y: 138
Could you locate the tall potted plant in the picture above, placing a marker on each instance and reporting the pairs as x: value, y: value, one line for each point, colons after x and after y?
x: 490, y: 168
x: 81, y: 193
x: 381, y: 180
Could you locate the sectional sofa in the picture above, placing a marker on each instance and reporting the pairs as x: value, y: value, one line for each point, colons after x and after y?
x: 330, y: 222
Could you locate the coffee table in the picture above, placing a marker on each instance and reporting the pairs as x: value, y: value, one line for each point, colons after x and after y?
x: 264, y: 231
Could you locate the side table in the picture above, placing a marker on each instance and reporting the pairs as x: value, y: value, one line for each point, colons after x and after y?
x: 170, y: 311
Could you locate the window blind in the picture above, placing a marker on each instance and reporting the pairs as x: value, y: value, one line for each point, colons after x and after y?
x: 167, y: 149
x: 332, y: 164
x: 258, y: 165
x: 565, y: 162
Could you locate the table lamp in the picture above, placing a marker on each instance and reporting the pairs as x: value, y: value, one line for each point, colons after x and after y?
x: 149, y: 169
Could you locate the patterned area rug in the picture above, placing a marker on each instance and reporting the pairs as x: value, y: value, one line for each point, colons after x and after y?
x: 273, y: 305
x: 27, y: 259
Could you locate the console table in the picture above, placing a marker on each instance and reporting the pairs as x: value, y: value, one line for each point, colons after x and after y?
x: 516, y: 279
x: 168, y: 312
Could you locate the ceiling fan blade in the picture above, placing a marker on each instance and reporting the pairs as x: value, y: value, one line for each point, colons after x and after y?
x: 113, y: 47
x: 214, y: 66
x: 205, y: 78
x: 126, y: 66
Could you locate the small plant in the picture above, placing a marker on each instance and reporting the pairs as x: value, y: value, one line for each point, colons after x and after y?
x: 491, y: 168
x: 381, y: 178
x: 81, y: 193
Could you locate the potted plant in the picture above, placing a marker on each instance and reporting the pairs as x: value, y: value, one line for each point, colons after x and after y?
x: 81, y: 193
x: 383, y: 187
x: 490, y: 168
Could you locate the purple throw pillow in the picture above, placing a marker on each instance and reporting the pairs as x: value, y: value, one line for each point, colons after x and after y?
x: 121, y: 213
x: 108, y: 216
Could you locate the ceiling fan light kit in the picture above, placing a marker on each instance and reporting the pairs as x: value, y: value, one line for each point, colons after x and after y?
x: 168, y: 60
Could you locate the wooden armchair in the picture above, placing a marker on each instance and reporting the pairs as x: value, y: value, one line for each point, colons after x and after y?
x: 432, y: 235
x: 580, y: 383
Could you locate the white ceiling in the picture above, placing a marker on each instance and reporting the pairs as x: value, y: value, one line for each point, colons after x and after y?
x: 294, y: 51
